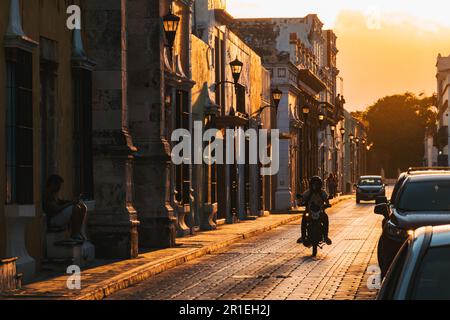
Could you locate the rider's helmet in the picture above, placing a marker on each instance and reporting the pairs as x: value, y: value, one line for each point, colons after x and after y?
x: 316, y: 184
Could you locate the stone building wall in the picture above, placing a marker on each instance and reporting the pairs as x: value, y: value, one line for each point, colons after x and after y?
x: 45, y: 19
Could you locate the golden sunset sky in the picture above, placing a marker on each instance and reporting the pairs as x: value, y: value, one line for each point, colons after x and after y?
x: 386, y: 46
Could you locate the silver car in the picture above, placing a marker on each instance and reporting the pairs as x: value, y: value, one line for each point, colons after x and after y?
x: 421, y: 269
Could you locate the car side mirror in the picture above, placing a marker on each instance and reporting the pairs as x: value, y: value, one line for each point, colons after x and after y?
x: 381, y: 200
x: 382, y: 209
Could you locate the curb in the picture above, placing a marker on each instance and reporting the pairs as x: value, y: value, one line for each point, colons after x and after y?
x: 146, y: 271
x: 341, y: 199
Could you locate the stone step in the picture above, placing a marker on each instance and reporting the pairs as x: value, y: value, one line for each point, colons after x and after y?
x: 60, y: 247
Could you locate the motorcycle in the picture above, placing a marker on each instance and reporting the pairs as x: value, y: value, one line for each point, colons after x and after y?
x: 314, y: 228
x: 314, y: 236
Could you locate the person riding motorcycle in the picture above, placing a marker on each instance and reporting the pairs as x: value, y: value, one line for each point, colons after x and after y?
x: 315, y: 197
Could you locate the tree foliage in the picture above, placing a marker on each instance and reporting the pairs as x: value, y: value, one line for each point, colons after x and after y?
x: 397, y: 126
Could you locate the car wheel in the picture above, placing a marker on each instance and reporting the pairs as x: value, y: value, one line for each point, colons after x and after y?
x: 383, y: 260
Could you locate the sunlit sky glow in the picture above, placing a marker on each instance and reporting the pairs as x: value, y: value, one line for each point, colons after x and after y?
x: 386, y: 46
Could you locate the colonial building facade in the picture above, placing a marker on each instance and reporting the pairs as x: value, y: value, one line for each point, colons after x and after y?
x: 228, y: 192
x: 99, y: 106
x: 354, y: 148
x: 45, y: 88
x: 106, y: 106
x: 301, y: 57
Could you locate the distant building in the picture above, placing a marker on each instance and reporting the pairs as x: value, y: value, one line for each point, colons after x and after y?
x: 301, y: 57
x: 355, y: 148
x: 441, y: 139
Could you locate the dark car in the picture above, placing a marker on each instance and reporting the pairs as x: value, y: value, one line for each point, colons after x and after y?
x: 422, y: 200
x: 415, y: 171
x: 420, y: 270
x: 369, y: 188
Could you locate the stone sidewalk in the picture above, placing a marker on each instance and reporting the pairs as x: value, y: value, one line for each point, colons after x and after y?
x: 102, y: 281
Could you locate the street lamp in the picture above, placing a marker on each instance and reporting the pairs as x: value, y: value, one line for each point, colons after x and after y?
x: 171, y: 23
x: 306, y: 112
x: 321, y: 117
x: 276, y: 97
x: 236, y: 69
x: 342, y: 130
x: 351, y: 136
x: 304, y: 161
x: 357, y: 140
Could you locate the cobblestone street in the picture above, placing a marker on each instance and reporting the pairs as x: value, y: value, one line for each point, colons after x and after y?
x: 273, y: 266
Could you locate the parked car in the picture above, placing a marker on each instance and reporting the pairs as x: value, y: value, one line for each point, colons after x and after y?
x: 369, y: 188
x: 414, y: 171
x: 422, y: 200
x: 420, y: 270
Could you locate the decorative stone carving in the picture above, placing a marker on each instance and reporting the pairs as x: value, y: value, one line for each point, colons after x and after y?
x: 183, y: 211
x: 209, y: 216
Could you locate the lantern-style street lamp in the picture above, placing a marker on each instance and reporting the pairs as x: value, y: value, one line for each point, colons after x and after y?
x: 333, y: 129
x: 357, y: 140
x: 306, y: 111
x: 236, y: 70
x: 276, y: 97
x: 171, y: 23
x: 351, y: 136
x: 321, y: 117
x: 342, y: 130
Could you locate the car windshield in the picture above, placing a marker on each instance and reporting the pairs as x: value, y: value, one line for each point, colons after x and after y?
x: 433, y: 278
x: 425, y: 196
x: 397, y: 188
x: 370, y: 182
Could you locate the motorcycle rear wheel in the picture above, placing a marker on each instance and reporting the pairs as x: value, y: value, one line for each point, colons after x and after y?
x: 314, y: 251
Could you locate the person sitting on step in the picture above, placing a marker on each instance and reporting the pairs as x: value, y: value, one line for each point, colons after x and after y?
x: 64, y: 213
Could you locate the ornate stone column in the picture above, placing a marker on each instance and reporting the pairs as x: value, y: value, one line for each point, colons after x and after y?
x: 283, y: 194
x: 149, y: 124
x: 113, y: 224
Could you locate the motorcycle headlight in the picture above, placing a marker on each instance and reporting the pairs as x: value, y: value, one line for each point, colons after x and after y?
x: 395, y: 231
